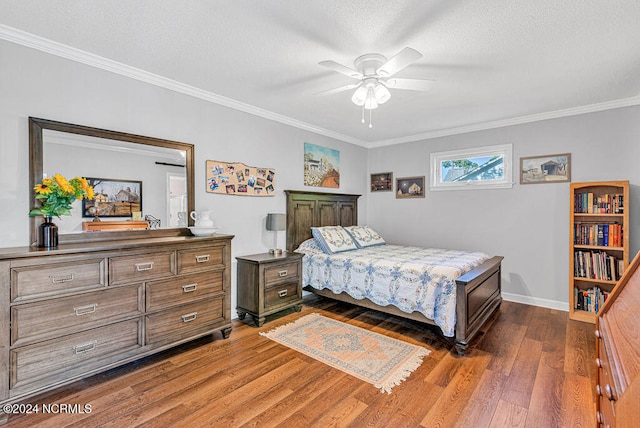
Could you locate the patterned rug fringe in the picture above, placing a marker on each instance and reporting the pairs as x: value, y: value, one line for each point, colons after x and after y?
x: 401, y: 373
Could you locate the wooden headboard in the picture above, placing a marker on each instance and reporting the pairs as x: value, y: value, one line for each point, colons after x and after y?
x: 315, y: 209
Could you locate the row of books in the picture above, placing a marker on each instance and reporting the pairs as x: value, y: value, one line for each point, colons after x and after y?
x: 588, y: 203
x: 603, y: 234
x: 597, y: 265
x: 590, y: 300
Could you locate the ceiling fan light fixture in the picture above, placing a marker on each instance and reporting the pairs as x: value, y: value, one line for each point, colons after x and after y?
x: 382, y: 93
x: 371, y: 102
x: 360, y: 96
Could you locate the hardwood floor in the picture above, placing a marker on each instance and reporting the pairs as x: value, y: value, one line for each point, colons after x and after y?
x: 531, y: 367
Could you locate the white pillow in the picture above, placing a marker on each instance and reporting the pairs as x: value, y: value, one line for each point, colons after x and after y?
x: 364, y: 236
x: 310, y: 246
x: 333, y: 239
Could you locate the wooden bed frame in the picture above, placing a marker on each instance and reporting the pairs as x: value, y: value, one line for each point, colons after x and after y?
x: 478, y: 292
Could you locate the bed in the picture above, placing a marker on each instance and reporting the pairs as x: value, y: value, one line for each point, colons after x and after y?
x: 474, y: 295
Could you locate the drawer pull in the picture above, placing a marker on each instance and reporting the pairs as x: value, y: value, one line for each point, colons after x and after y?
x: 283, y: 273
x: 282, y: 293
x: 203, y: 258
x: 598, y: 390
x: 608, y: 391
x: 599, y: 362
x: 597, y: 333
x: 189, y: 317
x: 81, y: 349
x: 189, y: 288
x: 62, y: 278
x: 140, y: 267
x: 84, y: 310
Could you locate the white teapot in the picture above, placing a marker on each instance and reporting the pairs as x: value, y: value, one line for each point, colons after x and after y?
x: 203, y: 218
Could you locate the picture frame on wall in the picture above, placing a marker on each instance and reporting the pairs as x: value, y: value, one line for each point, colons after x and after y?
x: 382, y: 182
x: 545, y: 169
x: 410, y: 187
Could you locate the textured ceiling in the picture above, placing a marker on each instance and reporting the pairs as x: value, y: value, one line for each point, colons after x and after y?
x: 494, y: 61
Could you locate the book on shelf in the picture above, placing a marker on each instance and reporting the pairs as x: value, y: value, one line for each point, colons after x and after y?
x: 589, y: 203
x: 590, y: 300
x: 599, y: 234
x: 597, y: 265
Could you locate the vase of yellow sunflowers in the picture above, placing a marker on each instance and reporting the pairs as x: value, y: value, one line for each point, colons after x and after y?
x: 55, y: 195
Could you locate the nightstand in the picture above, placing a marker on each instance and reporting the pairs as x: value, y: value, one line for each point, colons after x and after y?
x: 268, y: 284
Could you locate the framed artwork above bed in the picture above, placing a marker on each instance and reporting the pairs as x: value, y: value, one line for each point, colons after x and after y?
x: 410, y: 187
x: 382, y: 182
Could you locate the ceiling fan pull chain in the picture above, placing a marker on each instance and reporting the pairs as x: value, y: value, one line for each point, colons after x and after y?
x: 370, y: 125
x: 362, y: 113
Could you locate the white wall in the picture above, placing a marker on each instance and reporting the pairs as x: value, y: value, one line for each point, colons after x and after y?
x: 36, y: 84
x: 528, y: 224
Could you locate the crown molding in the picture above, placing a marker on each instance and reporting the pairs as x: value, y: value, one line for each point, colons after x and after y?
x: 574, y: 111
x: 64, y: 51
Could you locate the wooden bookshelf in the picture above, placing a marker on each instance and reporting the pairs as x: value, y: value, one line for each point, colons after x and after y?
x: 598, y: 244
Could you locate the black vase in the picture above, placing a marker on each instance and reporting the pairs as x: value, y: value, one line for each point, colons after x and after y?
x: 47, y: 234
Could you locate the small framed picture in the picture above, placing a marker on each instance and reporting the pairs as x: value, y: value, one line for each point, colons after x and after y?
x: 410, y: 187
x: 545, y: 169
x: 382, y: 182
x: 113, y: 198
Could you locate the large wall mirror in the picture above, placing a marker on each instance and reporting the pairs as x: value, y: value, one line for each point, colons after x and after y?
x: 156, y: 174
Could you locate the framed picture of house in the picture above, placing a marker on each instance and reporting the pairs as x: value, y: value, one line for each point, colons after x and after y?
x: 545, y: 169
x: 113, y: 198
x: 382, y: 182
x: 410, y: 187
x: 321, y: 166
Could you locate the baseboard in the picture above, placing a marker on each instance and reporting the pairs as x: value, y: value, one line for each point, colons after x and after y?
x: 536, y: 301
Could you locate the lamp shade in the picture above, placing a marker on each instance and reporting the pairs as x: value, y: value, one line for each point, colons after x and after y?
x: 276, y: 222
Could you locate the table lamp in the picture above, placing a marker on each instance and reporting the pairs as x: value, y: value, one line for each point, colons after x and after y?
x: 276, y: 223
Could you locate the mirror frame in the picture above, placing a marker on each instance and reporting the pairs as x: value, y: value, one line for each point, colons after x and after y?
x: 36, y: 128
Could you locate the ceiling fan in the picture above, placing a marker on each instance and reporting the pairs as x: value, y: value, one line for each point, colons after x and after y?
x: 375, y: 75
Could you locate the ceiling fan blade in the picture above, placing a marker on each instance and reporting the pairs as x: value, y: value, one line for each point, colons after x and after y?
x: 340, y: 89
x: 404, y: 58
x: 410, y: 84
x: 343, y: 69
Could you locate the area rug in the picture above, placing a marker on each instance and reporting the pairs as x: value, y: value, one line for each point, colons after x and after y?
x: 380, y: 360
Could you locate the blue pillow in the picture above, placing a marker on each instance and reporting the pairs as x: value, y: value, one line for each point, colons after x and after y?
x: 333, y: 239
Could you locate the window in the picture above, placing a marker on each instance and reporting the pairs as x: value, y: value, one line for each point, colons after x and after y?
x: 478, y: 168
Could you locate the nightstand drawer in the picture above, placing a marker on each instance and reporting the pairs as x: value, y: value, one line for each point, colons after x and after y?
x: 185, y: 321
x: 140, y: 267
x: 280, y: 273
x: 200, y: 259
x: 58, y: 317
x: 280, y: 295
x: 56, y: 279
x: 183, y: 289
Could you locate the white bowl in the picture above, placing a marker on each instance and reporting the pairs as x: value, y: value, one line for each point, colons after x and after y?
x: 203, y: 231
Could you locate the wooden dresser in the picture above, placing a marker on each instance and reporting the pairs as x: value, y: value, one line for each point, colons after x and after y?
x: 618, y: 353
x: 80, y: 309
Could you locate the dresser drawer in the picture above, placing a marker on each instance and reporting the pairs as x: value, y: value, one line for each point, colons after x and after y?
x: 200, y: 259
x: 281, y: 295
x: 141, y: 267
x: 277, y: 274
x: 605, y: 387
x: 56, y: 279
x: 58, y: 317
x: 185, y: 321
x: 183, y: 289
x: 55, y: 360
